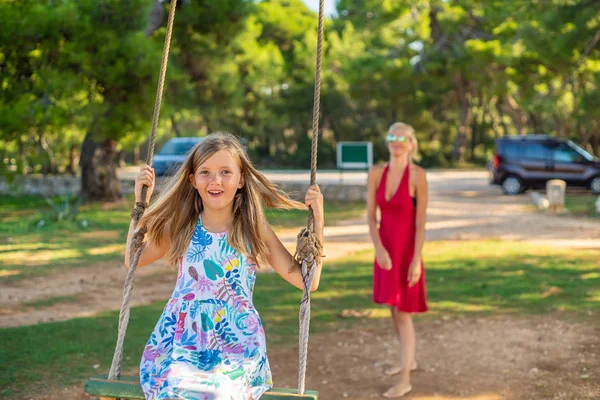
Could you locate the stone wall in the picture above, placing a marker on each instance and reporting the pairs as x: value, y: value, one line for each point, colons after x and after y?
x: 60, y: 185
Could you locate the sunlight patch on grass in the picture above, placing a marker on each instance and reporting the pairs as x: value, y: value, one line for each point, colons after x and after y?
x: 512, y: 273
x: 332, y: 294
x: 108, y: 249
x: 595, y: 296
x: 457, y: 307
x: 26, y: 246
x: 101, y: 235
x: 9, y: 272
x: 379, y: 312
x: 531, y: 296
x: 591, y: 275
x: 39, y: 257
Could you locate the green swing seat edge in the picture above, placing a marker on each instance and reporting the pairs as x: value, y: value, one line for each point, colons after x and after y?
x: 128, y: 387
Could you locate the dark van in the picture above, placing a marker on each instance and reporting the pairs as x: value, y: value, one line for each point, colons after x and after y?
x: 522, y: 162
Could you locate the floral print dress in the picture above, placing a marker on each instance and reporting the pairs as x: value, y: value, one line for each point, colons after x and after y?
x: 209, y: 342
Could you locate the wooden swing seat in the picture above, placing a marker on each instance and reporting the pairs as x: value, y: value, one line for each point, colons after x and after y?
x: 128, y: 387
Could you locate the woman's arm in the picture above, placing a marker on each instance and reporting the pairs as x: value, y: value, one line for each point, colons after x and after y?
x: 422, y: 195
x: 372, y: 183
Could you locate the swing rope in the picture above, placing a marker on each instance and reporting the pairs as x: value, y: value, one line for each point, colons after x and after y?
x: 136, y: 247
x: 309, y: 248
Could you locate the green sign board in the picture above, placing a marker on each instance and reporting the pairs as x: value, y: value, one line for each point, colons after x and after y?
x: 354, y: 155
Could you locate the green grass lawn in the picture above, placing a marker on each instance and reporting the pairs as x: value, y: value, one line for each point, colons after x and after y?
x: 463, y: 278
x: 26, y: 250
x: 582, y: 205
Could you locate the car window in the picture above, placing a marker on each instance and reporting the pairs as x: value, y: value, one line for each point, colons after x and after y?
x: 176, y: 148
x: 512, y: 151
x: 563, y: 153
x: 536, y: 151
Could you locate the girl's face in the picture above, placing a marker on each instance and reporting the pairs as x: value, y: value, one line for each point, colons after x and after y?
x: 217, y: 180
x: 399, y: 143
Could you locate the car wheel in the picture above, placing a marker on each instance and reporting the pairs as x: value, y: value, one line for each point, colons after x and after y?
x: 595, y: 185
x: 512, y: 185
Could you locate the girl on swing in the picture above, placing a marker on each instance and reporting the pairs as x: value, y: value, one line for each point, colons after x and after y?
x: 209, y: 342
x: 399, y: 190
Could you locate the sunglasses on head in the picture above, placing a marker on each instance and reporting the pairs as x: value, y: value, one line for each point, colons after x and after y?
x: 394, y: 138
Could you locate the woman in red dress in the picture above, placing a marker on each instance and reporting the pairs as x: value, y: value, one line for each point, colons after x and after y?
x: 399, y: 189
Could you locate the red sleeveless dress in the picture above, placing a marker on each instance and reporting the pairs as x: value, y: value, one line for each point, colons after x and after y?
x: 397, y: 233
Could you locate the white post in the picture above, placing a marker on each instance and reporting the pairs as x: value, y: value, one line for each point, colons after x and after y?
x: 555, y: 191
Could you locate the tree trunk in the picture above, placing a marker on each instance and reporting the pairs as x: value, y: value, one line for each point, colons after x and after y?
x: 99, y: 180
x: 477, y: 127
x: 501, y: 117
x: 174, y: 126
x: 518, y: 116
x: 73, y: 160
x: 473, y: 141
x: 22, y: 159
x: 560, y: 130
x: 45, y: 168
x: 122, y: 161
x: 464, y: 130
x: 535, y: 126
x: 48, y: 162
x: 584, y: 135
x: 595, y: 138
x: 136, y: 155
x: 493, y: 120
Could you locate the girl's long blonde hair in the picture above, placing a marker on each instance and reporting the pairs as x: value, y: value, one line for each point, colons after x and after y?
x: 179, y: 205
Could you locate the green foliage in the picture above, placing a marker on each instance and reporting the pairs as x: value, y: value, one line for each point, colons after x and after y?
x: 462, y: 73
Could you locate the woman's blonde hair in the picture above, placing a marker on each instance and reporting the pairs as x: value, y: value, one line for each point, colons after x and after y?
x: 177, y: 210
x: 401, y: 126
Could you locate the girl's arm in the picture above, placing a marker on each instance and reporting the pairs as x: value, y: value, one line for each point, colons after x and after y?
x: 280, y: 258
x: 151, y: 251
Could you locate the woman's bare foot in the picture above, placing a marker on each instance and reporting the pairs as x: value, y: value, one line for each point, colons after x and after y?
x: 395, y: 370
x: 398, y: 390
